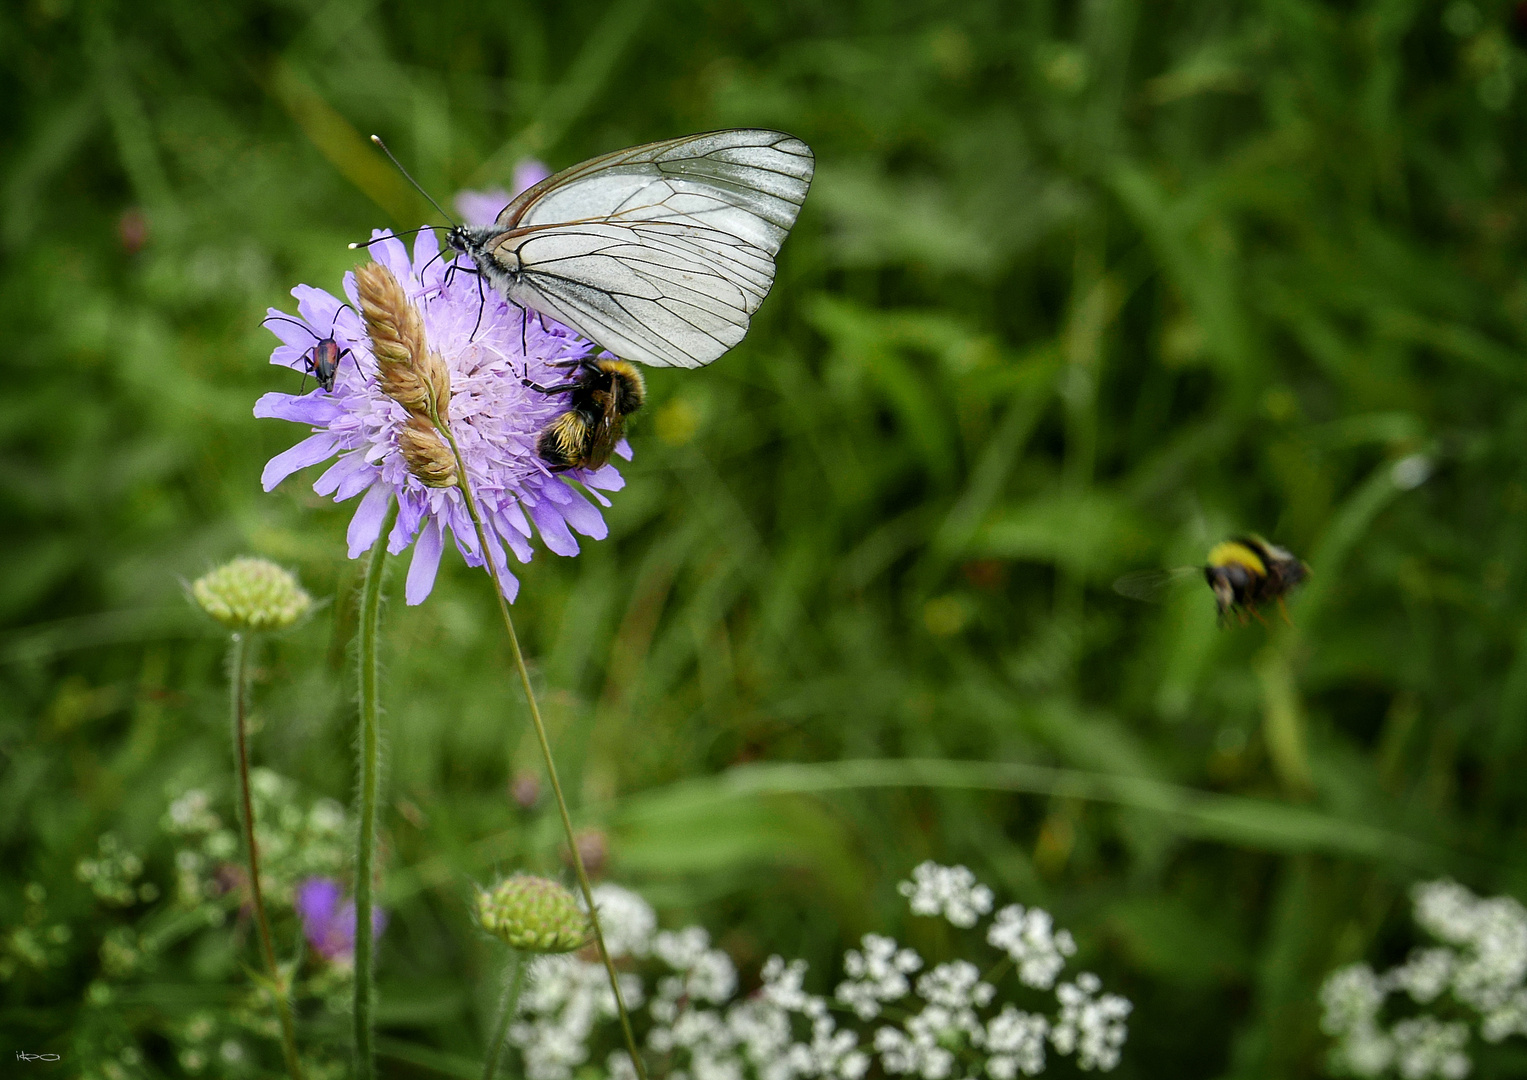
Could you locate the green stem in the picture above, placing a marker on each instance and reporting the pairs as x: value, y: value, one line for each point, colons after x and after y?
x: 514, y: 981
x: 551, y: 766
x: 370, y: 784
x: 238, y: 677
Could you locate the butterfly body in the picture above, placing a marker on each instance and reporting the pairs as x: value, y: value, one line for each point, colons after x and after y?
x: 659, y: 253
x: 604, y: 391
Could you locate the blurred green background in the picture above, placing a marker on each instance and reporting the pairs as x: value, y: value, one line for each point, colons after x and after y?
x: 1080, y: 289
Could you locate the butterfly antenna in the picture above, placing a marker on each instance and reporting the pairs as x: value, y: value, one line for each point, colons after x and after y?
x: 390, y: 235
x: 378, y: 140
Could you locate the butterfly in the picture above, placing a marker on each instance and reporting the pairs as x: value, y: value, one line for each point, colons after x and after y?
x: 660, y: 253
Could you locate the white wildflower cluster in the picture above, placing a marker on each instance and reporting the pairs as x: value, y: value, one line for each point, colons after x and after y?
x: 941, y: 1023
x: 568, y: 996
x: 1092, y: 1024
x: 876, y: 975
x: 1483, y: 966
x: 1033, y: 944
x: 950, y: 891
x: 296, y: 840
x: 111, y: 874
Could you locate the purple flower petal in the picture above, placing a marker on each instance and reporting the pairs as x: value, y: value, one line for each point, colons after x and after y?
x: 425, y: 564
x: 426, y: 247
x: 309, y: 451
x: 316, y: 409
x: 585, y: 518
x: 514, y: 515
x: 318, y: 309
x: 606, y: 478
x: 291, y: 333
x: 481, y: 207
x: 528, y: 172
x: 510, y: 583
x: 329, y: 926
x: 344, y: 471
x: 553, y: 530
x: 366, y: 525
x: 391, y: 253
x: 511, y: 536
x: 317, y: 898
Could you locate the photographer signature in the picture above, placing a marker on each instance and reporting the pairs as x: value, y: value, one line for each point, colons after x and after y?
x: 22, y: 1055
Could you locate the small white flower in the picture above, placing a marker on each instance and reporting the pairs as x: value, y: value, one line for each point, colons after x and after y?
x: 917, y: 1054
x: 1091, y: 1025
x: 1366, y: 1051
x: 1508, y: 1019
x: 876, y: 975
x: 1425, y: 1047
x: 627, y: 920
x: 951, y: 891
x: 1425, y: 975
x: 955, y: 985
x: 1016, y: 1042
x: 1031, y: 941
x: 1351, y: 998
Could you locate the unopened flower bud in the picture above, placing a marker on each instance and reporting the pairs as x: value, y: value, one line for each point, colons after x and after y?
x: 533, y: 914
x: 525, y: 790
x: 426, y: 453
x: 251, y: 594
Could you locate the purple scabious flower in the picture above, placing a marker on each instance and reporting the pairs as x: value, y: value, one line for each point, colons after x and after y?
x: 489, y: 345
x: 328, y: 924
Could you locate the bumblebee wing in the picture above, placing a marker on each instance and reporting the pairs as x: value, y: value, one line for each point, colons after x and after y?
x: 746, y: 182
x: 1151, y: 586
x: 657, y: 292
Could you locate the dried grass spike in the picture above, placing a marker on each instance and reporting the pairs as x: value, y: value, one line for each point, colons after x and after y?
x: 397, y: 336
x: 426, y: 453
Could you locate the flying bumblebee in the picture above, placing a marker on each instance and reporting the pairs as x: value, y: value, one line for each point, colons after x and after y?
x: 1245, y: 573
x: 604, y: 392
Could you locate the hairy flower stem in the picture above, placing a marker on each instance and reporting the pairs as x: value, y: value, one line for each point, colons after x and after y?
x: 370, y: 785
x: 238, y: 677
x: 514, y: 981
x: 535, y: 719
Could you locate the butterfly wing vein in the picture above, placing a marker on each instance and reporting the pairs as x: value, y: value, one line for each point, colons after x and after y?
x: 660, y: 253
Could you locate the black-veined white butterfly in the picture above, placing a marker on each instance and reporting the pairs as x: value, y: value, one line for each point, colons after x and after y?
x: 660, y: 253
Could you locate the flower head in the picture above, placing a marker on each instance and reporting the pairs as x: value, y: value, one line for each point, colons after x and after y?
x: 251, y: 594
x: 328, y: 923
x: 487, y: 346
x: 534, y: 914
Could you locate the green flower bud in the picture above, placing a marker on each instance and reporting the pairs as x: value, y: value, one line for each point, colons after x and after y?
x: 251, y: 594
x: 533, y: 914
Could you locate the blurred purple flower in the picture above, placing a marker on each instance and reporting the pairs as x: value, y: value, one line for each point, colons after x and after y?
x: 482, y: 207
x: 494, y: 419
x: 329, y: 925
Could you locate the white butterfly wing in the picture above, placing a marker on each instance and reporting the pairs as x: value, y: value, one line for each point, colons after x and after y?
x: 660, y: 253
